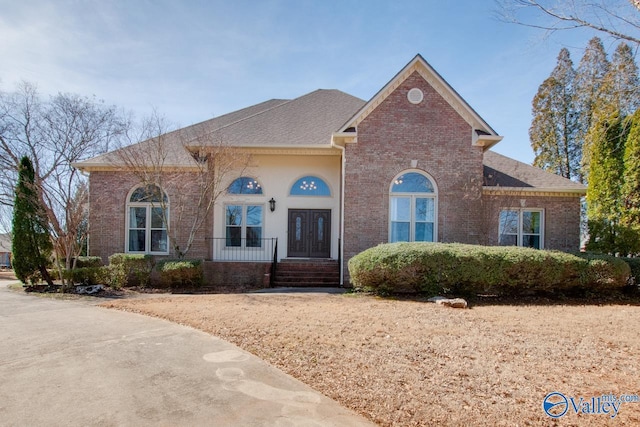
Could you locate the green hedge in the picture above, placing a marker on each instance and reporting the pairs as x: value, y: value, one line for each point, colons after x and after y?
x: 130, y: 269
x: 89, y: 275
x: 434, y: 268
x: 634, y: 264
x: 88, y: 261
x: 180, y: 273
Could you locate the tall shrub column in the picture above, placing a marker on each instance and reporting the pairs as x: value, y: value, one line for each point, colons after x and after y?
x: 32, y: 245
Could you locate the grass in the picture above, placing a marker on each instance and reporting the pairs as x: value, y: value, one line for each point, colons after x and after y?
x: 411, y: 363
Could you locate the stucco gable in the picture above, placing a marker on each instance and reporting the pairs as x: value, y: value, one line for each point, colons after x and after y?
x: 482, y: 134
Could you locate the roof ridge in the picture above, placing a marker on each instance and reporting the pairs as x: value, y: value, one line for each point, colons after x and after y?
x: 285, y: 101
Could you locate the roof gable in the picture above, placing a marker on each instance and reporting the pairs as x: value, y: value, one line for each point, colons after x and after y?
x: 482, y: 134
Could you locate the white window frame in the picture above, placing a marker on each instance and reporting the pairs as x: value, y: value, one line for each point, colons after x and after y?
x: 148, y: 229
x: 413, y: 196
x: 520, y: 233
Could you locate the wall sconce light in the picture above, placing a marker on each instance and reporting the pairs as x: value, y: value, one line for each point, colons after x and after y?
x: 272, y: 204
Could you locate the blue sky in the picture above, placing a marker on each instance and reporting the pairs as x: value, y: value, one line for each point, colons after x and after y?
x: 193, y: 60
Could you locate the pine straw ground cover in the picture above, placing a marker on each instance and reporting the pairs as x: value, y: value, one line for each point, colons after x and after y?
x: 411, y: 363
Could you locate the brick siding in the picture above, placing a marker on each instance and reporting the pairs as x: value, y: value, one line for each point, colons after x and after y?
x: 108, y: 193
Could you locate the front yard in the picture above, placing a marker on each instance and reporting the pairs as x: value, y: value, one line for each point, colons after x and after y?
x: 411, y: 363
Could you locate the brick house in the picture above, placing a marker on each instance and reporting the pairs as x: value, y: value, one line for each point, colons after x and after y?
x: 330, y: 175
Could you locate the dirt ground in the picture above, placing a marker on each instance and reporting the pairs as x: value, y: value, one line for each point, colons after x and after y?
x: 411, y: 363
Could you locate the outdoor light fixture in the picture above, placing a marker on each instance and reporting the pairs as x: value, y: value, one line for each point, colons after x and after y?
x: 272, y: 204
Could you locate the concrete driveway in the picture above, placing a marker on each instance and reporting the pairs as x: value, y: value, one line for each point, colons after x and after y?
x: 70, y: 363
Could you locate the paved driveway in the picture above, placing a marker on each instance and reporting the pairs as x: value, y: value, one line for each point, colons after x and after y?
x: 70, y: 363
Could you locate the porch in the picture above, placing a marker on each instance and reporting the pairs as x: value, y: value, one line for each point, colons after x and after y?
x: 254, y: 263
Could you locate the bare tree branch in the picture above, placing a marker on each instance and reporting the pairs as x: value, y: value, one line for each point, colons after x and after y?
x: 192, y: 165
x: 54, y: 134
x: 617, y: 18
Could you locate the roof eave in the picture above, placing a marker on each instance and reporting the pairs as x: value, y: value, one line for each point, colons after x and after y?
x: 102, y: 167
x: 538, y: 191
x: 487, y: 141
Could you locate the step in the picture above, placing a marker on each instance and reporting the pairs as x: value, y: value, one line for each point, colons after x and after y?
x: 307, y: 273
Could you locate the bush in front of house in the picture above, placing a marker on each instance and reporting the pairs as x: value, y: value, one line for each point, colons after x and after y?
x: 88, y: 261
x: 180, y: 273
x: 435, y: 268
x: 89, y: 276
x: 634, y: 264
x: 130, y: 269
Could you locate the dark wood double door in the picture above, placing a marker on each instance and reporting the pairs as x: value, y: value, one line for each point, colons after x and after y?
x: 309, y: 233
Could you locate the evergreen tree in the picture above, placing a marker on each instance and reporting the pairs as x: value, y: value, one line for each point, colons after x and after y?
x: 590, y: 75
x: 608, y: 136
x: 31, y: 240
x: 631, y: 183
x: 554, y: 126
x: 621, y: 87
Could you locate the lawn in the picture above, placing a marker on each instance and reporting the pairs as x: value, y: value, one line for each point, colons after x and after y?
x: 412, y: 363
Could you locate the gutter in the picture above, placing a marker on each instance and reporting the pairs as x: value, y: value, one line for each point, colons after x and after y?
x: 342, y: 180
x: 533, y: 190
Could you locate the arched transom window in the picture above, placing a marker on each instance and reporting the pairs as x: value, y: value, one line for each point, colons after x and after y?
x: 245, y: 185
x: 147, y: 216
x: 310, y: 186
x: 413, y: 204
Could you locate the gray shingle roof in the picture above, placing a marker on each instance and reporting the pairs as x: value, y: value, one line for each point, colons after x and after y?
x: 502, y: 171
x: 309, y: 120
x: 305, y: 121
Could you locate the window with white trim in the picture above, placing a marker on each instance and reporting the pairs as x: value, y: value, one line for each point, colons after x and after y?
x: 147, y: 216
x: 521, y: 227
x: 412, y: 204
x: 243, y: 225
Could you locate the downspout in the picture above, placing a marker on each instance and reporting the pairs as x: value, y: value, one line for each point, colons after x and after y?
x: 342, y: 179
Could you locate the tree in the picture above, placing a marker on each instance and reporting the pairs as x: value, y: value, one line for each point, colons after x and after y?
x: 619, y: 19
x: 608, y: 137
x: 621, y: 87
x: 631, y: 178
x: 192, y: 164
x: 553, y: 131
x: 591, y: 72
x: 54, y: 134
x: 31, y: 239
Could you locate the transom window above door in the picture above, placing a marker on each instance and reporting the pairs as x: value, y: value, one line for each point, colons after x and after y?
x: 310, y: 186
x: 412, y: 208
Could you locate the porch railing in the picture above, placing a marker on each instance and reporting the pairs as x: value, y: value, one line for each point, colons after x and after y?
x: 274, y: 265
x: 237, y: 249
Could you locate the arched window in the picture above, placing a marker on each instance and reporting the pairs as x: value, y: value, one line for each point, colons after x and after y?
x: 245, y: 185
x: 310, y: 186
x: 413, y: 205
x: 147, y: 216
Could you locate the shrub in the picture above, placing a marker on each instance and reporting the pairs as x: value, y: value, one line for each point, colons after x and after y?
x: 605, y: 271
x: 89, y: 275
x: 88, y: 261
x: 180, y: 273
x: 634, y: 264
x: 433, y: 268
x: 129, y: 269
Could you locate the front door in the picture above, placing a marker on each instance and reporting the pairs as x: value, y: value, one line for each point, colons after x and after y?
x: 309, y: 233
